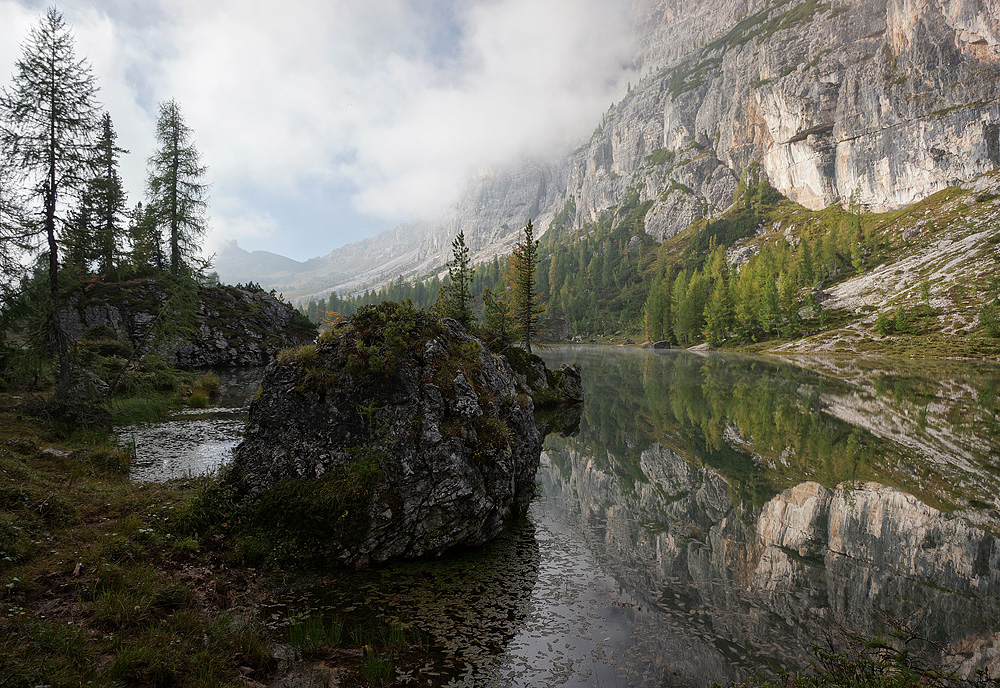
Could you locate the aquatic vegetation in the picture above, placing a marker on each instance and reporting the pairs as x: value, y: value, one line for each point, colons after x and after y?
x: 307, y: 636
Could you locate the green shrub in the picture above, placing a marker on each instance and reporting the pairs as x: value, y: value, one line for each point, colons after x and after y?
x: 882, y: 324
x: 988, y: 317
x: 901, y: 321
x: 197, y: 399
x: 209, y: 384
x: 660, y: 156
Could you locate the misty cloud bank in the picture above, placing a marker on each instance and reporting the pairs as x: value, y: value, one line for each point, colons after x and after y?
x: 325, y: 121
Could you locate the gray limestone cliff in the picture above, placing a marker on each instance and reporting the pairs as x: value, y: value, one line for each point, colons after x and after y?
x: 885, y: 101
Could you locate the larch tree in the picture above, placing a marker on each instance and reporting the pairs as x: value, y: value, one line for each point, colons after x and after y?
x: 47, y: 125
x: 523, y: 294
x: 177, y: 194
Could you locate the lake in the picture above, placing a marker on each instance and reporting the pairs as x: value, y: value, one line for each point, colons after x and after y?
x: 708, y: 515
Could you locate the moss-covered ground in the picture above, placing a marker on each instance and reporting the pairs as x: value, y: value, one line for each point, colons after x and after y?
x: 108, y: 583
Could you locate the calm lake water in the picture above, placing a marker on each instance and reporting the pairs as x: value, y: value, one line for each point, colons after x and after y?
x: 192, y: 441
x: 710, y: 515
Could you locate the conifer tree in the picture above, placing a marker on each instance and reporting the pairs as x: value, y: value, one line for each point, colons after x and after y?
x: 524, y: 296
x: 177, y: 195
x: 147, y: 241
x: 47, y: 125
x: 78, y: 238
x: 106, y: 198
x: 718, y: 314
x: 653, y: 311
x: 455, y: 299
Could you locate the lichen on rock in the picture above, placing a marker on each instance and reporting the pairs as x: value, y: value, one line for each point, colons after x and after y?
x: 419, y: 437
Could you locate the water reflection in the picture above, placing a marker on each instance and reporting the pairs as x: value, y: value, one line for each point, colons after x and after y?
x: 704, y: 517
x: 193, y: 441
x: 766, y: 424
x: 700, y: 481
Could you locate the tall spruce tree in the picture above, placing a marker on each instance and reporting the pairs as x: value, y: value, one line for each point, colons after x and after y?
x: 177, y: 194
x: 455, y: 299
x: 106, y: 197
x: 47, y: 126
x: 146, y: 255
x: 524, y: 295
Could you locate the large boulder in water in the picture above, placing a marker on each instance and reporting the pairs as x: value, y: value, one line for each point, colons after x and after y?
x: 394, y: 436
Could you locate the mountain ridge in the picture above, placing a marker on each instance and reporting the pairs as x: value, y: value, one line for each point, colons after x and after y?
x: 877, y: 104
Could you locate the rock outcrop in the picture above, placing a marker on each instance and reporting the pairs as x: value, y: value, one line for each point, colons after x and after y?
x: 207, y: 327
x: 408, y: 436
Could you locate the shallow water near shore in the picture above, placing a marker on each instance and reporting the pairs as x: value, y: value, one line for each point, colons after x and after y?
x: 711, y: 516
x: 193, y: 441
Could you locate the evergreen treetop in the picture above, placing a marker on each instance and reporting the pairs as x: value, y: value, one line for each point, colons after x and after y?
x: 455, y: 299
x: 177, y: 194
x: 524, y: 295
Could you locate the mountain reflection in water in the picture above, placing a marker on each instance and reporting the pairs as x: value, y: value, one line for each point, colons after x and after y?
x: 732, y: 496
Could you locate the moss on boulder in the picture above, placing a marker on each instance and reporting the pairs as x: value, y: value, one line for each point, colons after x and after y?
x: 442, y: 426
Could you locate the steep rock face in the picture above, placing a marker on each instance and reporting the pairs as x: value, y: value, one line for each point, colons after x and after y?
x: 210, y: 327
x: 439, y: 429
x: 885, y: 101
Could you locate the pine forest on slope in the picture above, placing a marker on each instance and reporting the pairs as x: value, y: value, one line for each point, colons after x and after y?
x: 768, y: 273
x: 863, y: 114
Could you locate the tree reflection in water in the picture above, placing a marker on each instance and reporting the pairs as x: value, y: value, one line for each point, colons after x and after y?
x: 677, y: 474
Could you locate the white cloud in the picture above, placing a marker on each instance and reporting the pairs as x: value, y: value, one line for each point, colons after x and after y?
x: 396, y: 101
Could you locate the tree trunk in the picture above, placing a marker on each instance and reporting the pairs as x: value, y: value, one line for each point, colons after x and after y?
x: 59, y: 341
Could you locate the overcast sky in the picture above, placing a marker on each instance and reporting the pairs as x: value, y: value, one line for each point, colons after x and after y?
x: 326, y: 121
